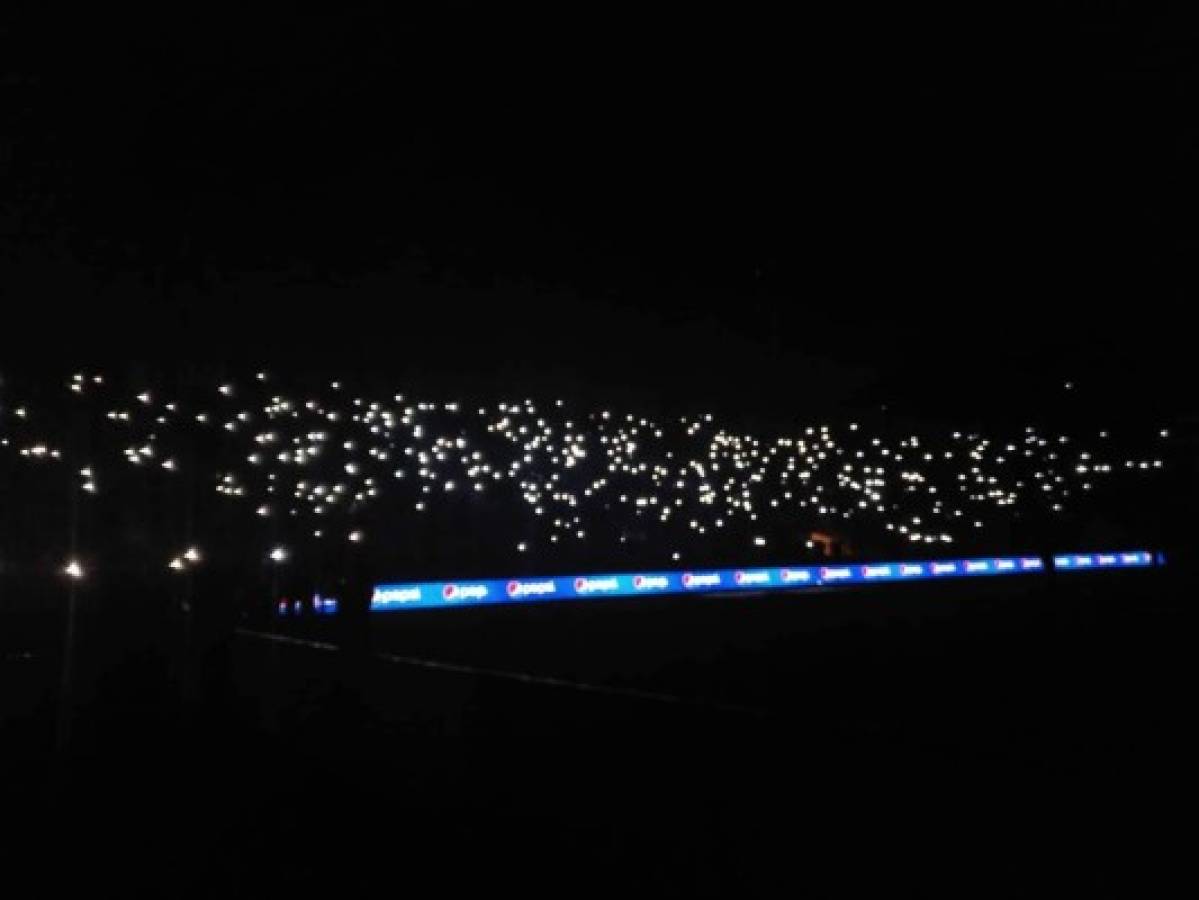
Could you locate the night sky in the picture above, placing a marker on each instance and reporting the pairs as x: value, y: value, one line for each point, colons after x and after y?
x: 830, y: 211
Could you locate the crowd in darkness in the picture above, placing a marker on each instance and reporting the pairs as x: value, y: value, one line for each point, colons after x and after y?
x: 307, y: 487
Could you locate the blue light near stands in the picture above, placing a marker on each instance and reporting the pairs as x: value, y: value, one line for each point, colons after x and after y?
x: 442, y: 594
x: 324, y: 606
x: 321, y: 606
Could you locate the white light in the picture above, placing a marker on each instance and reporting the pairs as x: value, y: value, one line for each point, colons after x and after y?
x: 192, y: 554
x: 73, y: 569
x: 279, y: 554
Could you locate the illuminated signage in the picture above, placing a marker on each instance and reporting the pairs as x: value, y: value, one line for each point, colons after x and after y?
x: 531, y: 588
x: 386, y: 596
x: 651, y: 582
x: 605, y: 584
x: 796, y: 576
x: 455, y: 592
x: 836, y: 573
x: 751, y: 578
x: 434, y: 594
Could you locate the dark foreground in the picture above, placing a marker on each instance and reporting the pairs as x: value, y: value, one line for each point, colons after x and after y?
x: 914, y: 741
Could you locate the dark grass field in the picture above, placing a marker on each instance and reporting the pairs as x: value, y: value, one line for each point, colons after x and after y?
x: 1010, y: 738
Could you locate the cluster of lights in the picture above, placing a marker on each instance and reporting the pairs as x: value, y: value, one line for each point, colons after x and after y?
x: 186, y: 560
x: 323, y: 459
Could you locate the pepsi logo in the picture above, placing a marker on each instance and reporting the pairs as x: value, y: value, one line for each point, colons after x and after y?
x: 651, y: 582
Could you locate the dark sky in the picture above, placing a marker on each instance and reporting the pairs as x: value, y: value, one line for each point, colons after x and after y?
x: 838, y: 206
